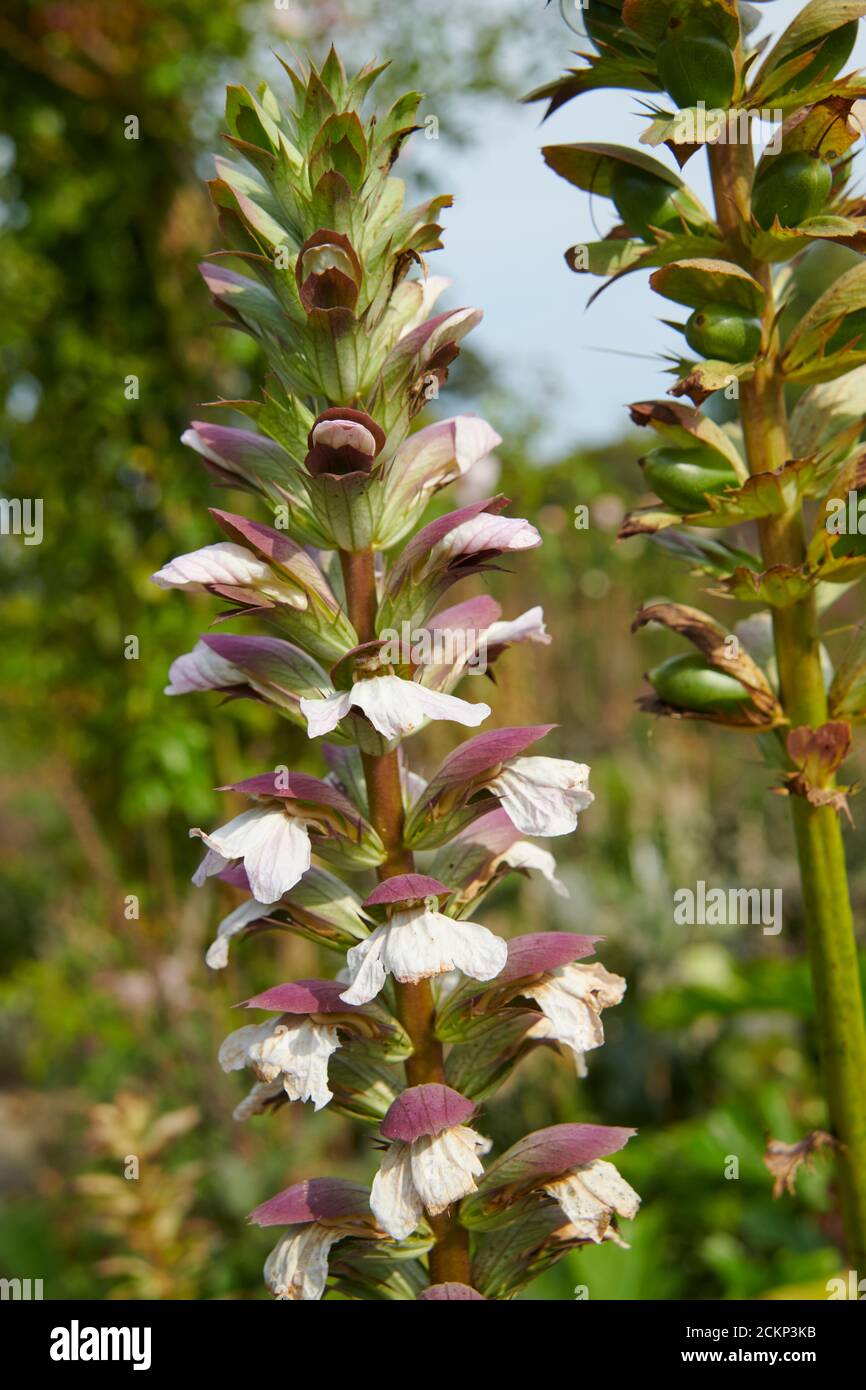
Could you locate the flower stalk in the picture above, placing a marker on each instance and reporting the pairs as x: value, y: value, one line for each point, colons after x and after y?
x: 832, y: 943
x: 409, y: 1032
x: 725, y: 267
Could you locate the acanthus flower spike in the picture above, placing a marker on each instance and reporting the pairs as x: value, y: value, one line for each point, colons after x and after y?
x: 325, y: 269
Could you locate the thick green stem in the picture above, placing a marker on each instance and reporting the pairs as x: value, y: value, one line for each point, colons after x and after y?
x: 829, y: 922
x: 449, y: 1257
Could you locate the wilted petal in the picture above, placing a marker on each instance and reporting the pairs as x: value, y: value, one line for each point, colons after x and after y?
x: 274, y: 847
x: 445, y: 1166
x: 234, y: 1050
x: 201, y: 669
x: 591, y: 1196
x: 571, y: 999
x: 394, y: 1199
x: 543, y: 795
x: 259, y: 1099
x: 295, y: 1054
x: 217, y: 956
x: 299, y: 1053
x: 297, y: 1267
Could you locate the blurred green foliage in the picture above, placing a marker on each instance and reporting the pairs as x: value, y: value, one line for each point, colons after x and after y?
x: 102, y: 776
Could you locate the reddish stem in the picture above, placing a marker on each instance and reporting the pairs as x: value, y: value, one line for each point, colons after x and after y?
x: 449, y: 1258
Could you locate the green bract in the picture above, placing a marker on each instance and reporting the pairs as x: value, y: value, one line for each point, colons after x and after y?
x: 851, y: 333
x: 831, y: 57
x: 724, y: 333
x: 697, y: 68
x: 684, y: 477
x: 690, y: 682
x: 792, y: 187
x: 604, y: 26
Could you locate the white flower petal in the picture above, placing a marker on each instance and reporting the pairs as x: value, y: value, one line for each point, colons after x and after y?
x: 421, y: 943
x: 542, y: 796
x: 571, y: 998
x: 429, y: 290
x: 234, y: 924
x: 394, y: 1200
x: 397, y: 707
x: 258, y: 1100
x: 234, y: 1050
x: 275, y: 849
x: 212, y: 863
x: 201, y: 669
x: 230, y: 564
x: 297, y: 1267
x: 417, y: 944
x: 591, y: 1196
x: 523, y: 854
x: 445, y: 1166
x: 324, y: 714
x: 529, y: 627
x: 294, y: 1054
x: 223, y: 563
x: 364, y: 968
x: 442, y: 452
x: 299, y: 1053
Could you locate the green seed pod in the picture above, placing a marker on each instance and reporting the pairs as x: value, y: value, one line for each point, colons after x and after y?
x: 792, y: 186
x: 683, y: 477
x: 694, y: 67
x: 850, y: 333
x: 643, y: 200
x: 724, y: 333
x: 690, y: 682
x: 834, y: 54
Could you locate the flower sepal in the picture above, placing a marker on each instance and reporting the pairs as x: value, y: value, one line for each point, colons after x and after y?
x: 321, y: 1000
x: 458, y: 793
x: 514, y: 1182
x: 468, y: 541
x: 320, y: 908
x: 479, y: 1064
x: 465, y: 1013
x: 510, y: 1257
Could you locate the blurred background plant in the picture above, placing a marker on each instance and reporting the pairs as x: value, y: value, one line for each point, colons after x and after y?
x: 110, y: 1020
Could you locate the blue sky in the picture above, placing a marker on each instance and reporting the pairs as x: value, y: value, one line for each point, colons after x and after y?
x: 505, y: 237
